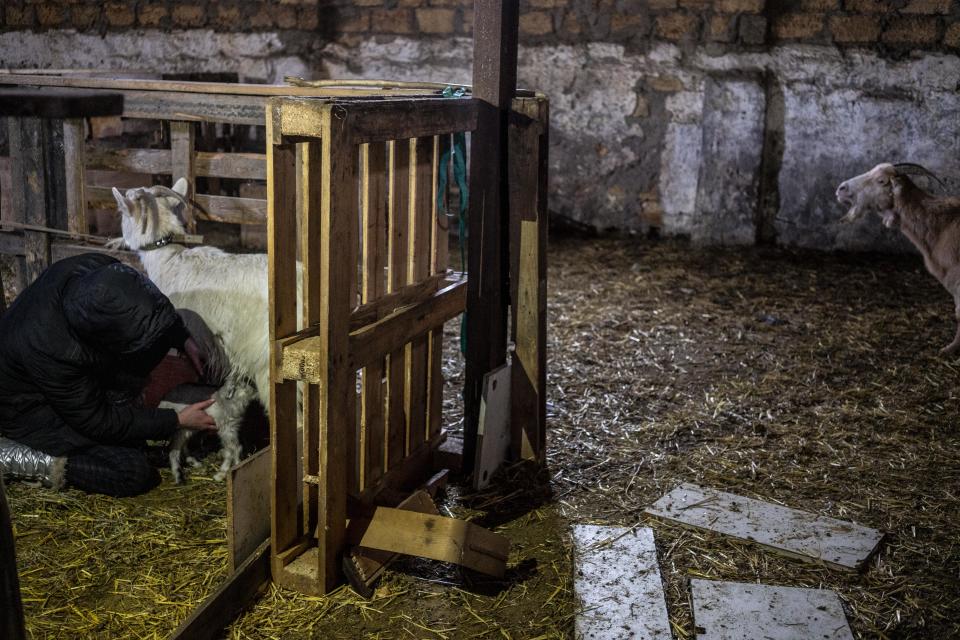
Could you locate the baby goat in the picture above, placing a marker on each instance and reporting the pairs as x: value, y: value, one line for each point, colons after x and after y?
x: 230, y: 403
x: 931, y: 223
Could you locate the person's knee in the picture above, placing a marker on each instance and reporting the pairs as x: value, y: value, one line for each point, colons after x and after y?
x: 138, y: 477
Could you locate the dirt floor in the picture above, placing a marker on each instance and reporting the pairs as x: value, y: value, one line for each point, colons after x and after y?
x: 806, y: 379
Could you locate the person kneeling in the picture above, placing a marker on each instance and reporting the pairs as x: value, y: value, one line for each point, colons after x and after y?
x: 76, y: 347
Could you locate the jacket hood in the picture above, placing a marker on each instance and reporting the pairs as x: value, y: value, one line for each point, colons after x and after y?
x: 117, y: 310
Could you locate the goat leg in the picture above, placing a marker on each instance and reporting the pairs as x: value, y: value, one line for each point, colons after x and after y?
x: 178, y: 444
x: 952, y: 348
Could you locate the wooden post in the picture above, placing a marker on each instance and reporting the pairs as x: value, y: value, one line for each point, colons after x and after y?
x: 11, y: 609
x: 287, y: 519
x: 528, y: 277
x: 29, y: 200
x: 338, y: 381
x: 183, y: 163
x: 494, y: 85
x: 73, y: 155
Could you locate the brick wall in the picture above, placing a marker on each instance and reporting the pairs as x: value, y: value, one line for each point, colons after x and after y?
x: 892, y: 25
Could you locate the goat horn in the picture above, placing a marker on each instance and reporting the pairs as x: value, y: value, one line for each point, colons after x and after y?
x: 160, y: 190
x: 910, y: 168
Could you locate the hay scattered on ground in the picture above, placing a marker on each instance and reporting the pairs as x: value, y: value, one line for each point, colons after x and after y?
x: 801, y: 378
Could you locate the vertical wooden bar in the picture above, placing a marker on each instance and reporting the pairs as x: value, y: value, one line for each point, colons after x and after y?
x: 399, y: 167
x: 439, y: 258
x: 528, y: 278
x: 73, y: 153
x: 29, y: 196
x: 183, y: 163
x: 338, y: 382
x: 420, y: 222
x: 309, y: 157
x: 287, y: 524
x: 494, y: 84
x: 11, y: 607
x: 374, y: 195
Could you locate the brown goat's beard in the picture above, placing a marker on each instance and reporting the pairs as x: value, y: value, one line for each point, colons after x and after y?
x: 891, y: 220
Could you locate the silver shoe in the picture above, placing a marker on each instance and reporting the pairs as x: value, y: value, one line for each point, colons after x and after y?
x: 20, y: 462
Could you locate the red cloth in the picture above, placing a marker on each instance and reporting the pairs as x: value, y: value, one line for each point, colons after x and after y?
x: 172, y: 371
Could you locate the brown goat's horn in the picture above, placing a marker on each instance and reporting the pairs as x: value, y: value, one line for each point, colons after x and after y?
x: 910, y: 168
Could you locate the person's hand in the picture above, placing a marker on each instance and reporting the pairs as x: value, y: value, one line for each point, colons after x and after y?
x: 194, y: 417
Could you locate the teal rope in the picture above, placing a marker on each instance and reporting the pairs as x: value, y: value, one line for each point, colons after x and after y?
x: 458, y: 151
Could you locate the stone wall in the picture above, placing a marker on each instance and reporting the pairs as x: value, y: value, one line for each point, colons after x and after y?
x: 730, y: 121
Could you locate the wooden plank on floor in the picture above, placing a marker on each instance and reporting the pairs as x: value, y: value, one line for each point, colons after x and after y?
x: 238, y: 591
x: 248, y: 506
x: 733, y: 611
x: 437, y: 538
x: 493, y: 432
x: 798, y: 534
x: 617, y: 581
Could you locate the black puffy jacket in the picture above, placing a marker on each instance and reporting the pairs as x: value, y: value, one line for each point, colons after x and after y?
x: 73, y: 345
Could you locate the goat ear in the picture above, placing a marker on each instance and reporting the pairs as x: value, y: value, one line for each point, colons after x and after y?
x: 181, y: 186
x: 126, y: 206
x: 121, y: 201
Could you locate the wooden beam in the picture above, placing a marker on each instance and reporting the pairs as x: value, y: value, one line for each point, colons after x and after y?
x: 305, y: 360
x: 494, y: 85
x: 528, y: 278
x: 238, y: 591
x: 384, y: 120
x: 29, y: 199
x: 286, y: 517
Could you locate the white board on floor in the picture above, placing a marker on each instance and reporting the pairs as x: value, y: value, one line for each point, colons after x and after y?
x: 787, y: 531
x: 617, y: 580
x: 737, y: 611
x: 493, y: 428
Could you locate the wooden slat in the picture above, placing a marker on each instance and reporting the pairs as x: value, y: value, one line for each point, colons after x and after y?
x: 399, y: 168
x: 74, y: 132
x: 240, y: 589
x: 310, y: 158
x: 407, y: 295
x: 528, y: 278
x: 374, y: 196
x: 183, y: 164
x: 244, y: 166
x: 494, y: 84
x: 439, y: 260
x: 419, y: 257
x: 286, y: 528
x: 385, y: 120
x: 338, y: 392
x: 305, y: 359
x: 217, y: 208
x: 131, y: 160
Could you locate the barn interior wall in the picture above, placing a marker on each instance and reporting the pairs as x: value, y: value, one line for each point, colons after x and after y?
x: 728, y: 121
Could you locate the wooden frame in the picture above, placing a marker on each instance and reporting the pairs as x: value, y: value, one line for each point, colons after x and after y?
x: 376, y: 292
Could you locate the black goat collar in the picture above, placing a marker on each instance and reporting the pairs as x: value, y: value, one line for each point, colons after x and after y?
x: 168, y: 239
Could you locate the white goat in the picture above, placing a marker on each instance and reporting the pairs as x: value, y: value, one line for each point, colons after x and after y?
x: 931, y: 223
x: 229, y: 291
x: 230, y: 404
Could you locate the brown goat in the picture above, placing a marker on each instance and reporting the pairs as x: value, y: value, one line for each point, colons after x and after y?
x: 931, y: 223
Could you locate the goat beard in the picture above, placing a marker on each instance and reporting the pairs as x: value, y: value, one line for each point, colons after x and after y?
x: 890, y: 219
